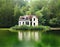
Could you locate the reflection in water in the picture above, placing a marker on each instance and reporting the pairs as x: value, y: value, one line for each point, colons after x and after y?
x: 46, y: 39
x: 32, y: 35
x: 29, y: 35
x: 36, y: 36
x: 20, y: 35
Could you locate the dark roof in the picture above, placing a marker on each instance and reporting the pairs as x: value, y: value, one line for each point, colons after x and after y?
x: 26, y: 17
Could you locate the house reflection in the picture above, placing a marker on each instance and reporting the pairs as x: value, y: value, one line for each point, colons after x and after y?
x: 29, y: 35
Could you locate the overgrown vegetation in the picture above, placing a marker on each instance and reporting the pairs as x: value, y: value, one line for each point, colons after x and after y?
x: 48, y: 11
x: 24, y: 27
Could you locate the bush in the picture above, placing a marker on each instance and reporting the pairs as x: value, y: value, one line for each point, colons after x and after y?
x: 24, y: 27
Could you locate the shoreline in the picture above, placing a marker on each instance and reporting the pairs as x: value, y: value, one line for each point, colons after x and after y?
x: 27, y: 29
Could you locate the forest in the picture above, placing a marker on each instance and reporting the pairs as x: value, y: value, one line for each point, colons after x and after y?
x: 48, y: 11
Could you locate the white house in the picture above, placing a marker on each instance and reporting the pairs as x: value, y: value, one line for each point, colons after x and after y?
x: 29, y: 20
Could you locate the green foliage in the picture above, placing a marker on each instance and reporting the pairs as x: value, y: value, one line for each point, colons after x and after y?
x: 47, y: 11
x: 10, y: 12
x: 24, y: 27
x: 6, y: 13
x: 54, y: 22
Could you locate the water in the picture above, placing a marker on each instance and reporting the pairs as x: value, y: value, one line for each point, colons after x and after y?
x: 29, y: 39
x: 29, y: 35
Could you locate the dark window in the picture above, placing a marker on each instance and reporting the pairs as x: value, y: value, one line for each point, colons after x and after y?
x: 27, y: 23
x: 34, y: 19
x: 23, y: 23
x: 34, y: 24
x: 23, y: 18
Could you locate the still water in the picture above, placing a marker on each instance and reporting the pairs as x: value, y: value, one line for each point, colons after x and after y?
x: 29, y: 35
x: 29, y: 39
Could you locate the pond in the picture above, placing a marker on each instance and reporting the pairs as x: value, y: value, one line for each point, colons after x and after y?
x: 29, y: 39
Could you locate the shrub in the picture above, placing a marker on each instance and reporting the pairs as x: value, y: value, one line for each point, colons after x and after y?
x: 24, y: 27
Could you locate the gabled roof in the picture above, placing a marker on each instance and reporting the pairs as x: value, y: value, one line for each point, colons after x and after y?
x: 26, y: 17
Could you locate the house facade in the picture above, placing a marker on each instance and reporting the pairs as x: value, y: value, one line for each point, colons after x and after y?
x: 29, y: 20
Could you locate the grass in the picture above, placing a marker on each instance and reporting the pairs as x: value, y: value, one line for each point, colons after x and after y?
x: 23, y: 27
x: 4, y: 28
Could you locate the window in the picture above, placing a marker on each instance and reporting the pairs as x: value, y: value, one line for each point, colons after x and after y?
x: 22, y: 18
x: 34, y: 24
x: 34, y: 19
x: 27, y: 23
x: 20, y: 23
x: 23, y: 23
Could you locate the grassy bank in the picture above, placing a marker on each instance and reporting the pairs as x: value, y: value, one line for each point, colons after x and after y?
x: 16, y: 27
x: 4, y: 28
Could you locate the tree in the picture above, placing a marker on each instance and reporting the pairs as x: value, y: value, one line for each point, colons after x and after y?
x: 6, y: 13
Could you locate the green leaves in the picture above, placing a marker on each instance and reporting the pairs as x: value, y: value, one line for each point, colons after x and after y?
x: 24, y: 27
x: 46, y: 10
